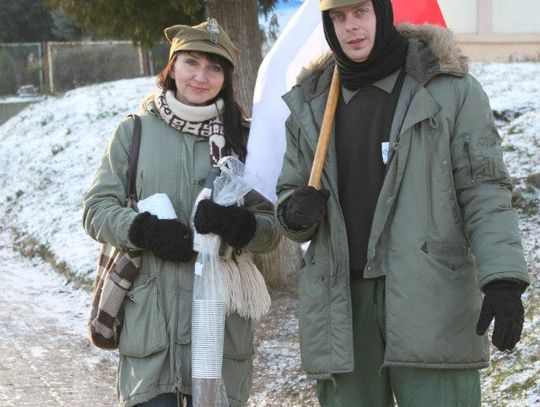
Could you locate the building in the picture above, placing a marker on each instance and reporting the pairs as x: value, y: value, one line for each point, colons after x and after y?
x: 495, y: 30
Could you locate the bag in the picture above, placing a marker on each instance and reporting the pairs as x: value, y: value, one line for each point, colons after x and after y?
x: 116, y: 271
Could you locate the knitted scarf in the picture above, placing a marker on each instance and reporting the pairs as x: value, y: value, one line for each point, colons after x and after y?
x: 204, y: 121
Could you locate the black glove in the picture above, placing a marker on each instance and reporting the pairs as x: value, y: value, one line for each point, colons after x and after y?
x: 502, y: 301
x: 235, y: 225
x: 305, y: 207
x: 168, y: 239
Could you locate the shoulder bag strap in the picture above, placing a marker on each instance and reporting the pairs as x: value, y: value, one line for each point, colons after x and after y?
x: 134, y: 159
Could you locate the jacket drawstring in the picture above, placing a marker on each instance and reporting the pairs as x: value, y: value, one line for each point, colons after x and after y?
x: 334, y: 384
x: 433, y: 122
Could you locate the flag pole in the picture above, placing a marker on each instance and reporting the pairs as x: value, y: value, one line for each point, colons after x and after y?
x: 326, y: 131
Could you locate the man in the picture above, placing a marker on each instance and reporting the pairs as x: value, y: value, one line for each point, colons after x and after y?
x: 413, y: 221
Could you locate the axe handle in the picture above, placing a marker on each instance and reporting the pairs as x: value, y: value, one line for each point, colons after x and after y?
x: 326, y: 131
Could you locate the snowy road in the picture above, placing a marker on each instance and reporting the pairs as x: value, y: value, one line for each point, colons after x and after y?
x: 45, y: 361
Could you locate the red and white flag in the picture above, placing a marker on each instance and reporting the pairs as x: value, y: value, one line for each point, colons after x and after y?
x: 418, y: 12
x: 301, y: 41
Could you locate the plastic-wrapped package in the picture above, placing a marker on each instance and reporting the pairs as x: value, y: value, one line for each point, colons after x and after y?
x: 208, y: 316
x: 208, y: 324
x: 219, y: 288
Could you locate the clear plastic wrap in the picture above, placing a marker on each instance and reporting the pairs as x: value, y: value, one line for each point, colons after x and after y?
x: 225, y: 185
x: 208, y: 316
x: 208, y: 323
x: 233, y: 183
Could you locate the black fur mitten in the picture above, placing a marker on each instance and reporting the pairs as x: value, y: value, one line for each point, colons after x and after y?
x: 235, y: 225
x: 168, y: 239
x: 305, y: 207
x: 502, y: 302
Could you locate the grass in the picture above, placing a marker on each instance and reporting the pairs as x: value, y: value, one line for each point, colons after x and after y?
x: 30, y: 247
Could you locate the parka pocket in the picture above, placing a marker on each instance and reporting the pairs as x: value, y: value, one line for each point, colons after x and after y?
x: 143, y: 331
x: 483, y: 160
x: 451, y: 257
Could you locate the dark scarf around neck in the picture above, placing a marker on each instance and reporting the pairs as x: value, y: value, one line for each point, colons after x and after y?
x: 388, y: 54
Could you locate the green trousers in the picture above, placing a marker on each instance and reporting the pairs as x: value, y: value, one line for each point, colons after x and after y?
x: 369, y: 386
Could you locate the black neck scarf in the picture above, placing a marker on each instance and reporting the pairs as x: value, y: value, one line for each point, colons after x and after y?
x: 388, y: 54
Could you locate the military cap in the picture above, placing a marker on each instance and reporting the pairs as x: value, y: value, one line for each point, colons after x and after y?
x: 206, y: 37
x: 329, y: 4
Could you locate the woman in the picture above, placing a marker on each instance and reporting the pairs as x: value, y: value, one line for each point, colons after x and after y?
x: 186, y: 128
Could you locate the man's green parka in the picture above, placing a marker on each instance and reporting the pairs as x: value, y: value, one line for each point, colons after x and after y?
x: 443, y: 226
x: 155, y: 343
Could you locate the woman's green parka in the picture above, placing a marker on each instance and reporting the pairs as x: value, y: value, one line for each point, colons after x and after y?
x: 443, y: 226
x: 155, y: 344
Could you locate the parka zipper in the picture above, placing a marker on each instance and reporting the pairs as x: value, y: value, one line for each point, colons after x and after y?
x: 466, y: 146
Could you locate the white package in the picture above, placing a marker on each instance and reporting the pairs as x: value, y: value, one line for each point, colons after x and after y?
x: 158, y: 204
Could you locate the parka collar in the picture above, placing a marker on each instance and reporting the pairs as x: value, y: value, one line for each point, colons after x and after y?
x: 432, y: 51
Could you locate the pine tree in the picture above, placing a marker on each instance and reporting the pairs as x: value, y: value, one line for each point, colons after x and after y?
x: 140, y: 21
x: 25, y: 21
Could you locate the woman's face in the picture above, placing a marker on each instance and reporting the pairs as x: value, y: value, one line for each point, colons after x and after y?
x: 198, y: 80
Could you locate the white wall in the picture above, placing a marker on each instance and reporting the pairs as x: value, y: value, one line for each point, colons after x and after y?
x: 511, y: 16
x: 508, y: 16
x: 460, y: 15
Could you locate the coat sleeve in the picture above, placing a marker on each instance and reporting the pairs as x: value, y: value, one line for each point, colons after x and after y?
x: 105, y: 216
x: 484, y: 190
x: 294, y: 173
x: 267, y: 235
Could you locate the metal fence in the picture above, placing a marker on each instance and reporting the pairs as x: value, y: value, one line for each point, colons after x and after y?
x: 21, y: 65
x: 158, y: 58
x: 75, y: 64
x: 54, y: 67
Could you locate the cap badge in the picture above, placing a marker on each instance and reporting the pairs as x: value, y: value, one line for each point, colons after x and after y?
x: 213, y: 29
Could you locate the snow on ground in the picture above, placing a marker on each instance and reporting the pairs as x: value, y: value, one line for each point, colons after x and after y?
x: 19, y: 99
x: 48, y: 157
x: 49, y: 153
x: 510, y: 86
x: 59, y: 300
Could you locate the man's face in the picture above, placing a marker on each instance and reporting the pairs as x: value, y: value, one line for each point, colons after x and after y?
x: 355, y: 28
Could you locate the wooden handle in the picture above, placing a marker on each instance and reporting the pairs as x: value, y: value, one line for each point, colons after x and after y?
x: 326, y: 131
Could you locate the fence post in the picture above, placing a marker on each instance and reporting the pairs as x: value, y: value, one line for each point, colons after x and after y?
x: 50, y: 75
x: 144, y: 61
x: 45, y: 67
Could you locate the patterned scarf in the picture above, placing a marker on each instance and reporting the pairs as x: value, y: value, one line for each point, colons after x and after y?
x: 202, y: 121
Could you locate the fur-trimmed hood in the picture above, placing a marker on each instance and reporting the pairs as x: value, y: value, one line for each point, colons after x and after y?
x: 432, y: 51
x: 147, y: 105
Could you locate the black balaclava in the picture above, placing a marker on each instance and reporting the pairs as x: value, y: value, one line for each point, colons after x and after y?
x: 388, y: 54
